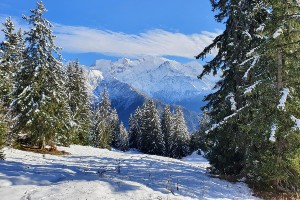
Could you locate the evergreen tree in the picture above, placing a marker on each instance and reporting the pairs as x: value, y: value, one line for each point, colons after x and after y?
x: 199, y: 138
x: 180, y: 137
x: 256, y: 108
x: 103, y: 129
x: 229, y: 111
x: 167, y: 127
x: 79, y: 103
x: 115, y: 128
x: 122, y: 142
x: 11, y: 52
x: 276, y: 99
x: 135, y: 129
x: 152, y: 141
x: 40, y: 109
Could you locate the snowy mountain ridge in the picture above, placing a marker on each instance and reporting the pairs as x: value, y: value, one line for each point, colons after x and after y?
x: 160, y: 78
x: 132, y: 81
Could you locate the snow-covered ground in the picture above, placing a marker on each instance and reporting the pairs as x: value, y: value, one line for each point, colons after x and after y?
x: 90, y: 173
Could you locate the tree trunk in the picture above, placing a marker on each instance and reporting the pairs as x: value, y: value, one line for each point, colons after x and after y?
x: 43, y: 142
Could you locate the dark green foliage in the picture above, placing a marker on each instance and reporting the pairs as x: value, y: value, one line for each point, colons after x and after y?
x: 102, y: 128
x: 11, y: 52
x: 40, y: 108
x: 199, y: 139
x: 115, y: 129
x: 255, y: 110
x: 180, y: 139
x: 167, y: 127
x: 135, y: 129
x: 79, y: 103
x: 152, y: 141
x: 121, y: 141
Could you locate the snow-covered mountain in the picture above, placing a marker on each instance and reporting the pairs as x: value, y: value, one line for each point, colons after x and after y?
x: 131, y: 82
x: 160, y: 78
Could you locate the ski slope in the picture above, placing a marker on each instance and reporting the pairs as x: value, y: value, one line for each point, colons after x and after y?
x: 91, y: 173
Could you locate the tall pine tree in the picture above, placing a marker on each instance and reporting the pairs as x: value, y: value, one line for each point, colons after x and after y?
x: 152, y: 141
x: 135, y: 129
x: 256, y: 108
x: 103, y: 123
x: 11, y: 52
x: 228, y: 109
x: 79, y: 103
x: 180, y: 142
x: 115, y: 128
x: 276, y: 99
x: 167, y: 127
x: 40, y: 105
x: 121, y: 141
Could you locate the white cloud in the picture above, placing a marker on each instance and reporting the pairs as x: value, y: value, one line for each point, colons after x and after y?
x: 76, y: 39
x: 154, y: 42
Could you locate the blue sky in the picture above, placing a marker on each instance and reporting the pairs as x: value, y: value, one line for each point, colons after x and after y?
x: 96, y: 29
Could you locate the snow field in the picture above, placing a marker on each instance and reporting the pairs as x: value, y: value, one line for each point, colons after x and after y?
x: 91, y: 173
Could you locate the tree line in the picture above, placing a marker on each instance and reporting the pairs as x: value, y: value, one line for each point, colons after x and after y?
x: 167, y: 136
x: 44, y: 102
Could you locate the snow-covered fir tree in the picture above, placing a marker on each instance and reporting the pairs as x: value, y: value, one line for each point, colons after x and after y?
x: 167, y: 128
x: 115, y: 128
x: 255, y: 110
x: 229, y: 111
x: 11, y: 52
x: 274, y: 98
x: 122, y: 140
x: 199, y: 138
x: 40, y: 104
x: 152, y: 140
x: 135, y: 129
x: 102, y: 130
x: 79, y: 103
x: 180, y: 138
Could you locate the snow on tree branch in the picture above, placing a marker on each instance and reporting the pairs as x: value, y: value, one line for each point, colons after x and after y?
x: 255, y: 60
x: 297, y: 122
x: 273, y: 132
x: 232, y: 101
x: 214, y: 126
x: 282, y: 101
x: 277, y: 33
x: 249, y: 89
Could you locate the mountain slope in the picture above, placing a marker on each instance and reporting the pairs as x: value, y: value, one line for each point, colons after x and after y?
x: 165, y: 80
x: 126, y: 99
x: 130, y: 82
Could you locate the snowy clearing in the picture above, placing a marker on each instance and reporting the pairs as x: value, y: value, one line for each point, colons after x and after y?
x: 91, y: 173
